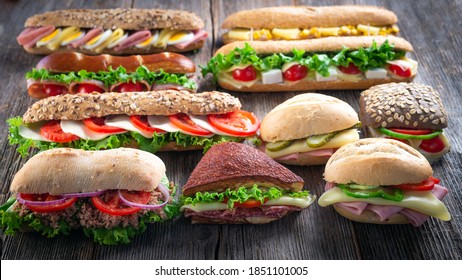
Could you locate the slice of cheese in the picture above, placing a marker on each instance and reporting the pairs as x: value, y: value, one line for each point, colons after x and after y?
x: 273, y: 76
x: 239, y: 34
x: 32, y: 131
x: 162, y: 122
x: 286, y: 34
x: 78, y: 128
x: 228, y: 78
x: 123, y: 121
x: 203, y: 122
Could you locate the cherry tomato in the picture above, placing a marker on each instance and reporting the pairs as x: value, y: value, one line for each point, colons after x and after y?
x: 53, y: 90
x: 433, y: 145
x: 141, y: 122
x: 184, y: 122
x: 130, y: 87
x: 398, y: 71
x: 295, y: 73
x: 425, y: 185
x: 89, y: 88
x: 46, y: 197
x: 351, y: 69
x: 245, y: 75
x: 97, y: 125
x: 411, y: 131
x: 110, y: 202
x: 240, y: 123
x: 53, y: 131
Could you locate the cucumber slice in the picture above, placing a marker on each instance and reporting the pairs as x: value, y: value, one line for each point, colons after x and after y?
x: 361, y: 187
x: 277, y: 146
x: 317, y: 141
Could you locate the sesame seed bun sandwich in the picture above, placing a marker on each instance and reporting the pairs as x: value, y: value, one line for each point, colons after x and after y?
x: 164, y: 120
x: 113, y: 31
x: 306, y: 22
x: 111, y: 195
x: 238, y: 184
x: 325, y: 63
x: 408, y: 112
x: 308, y: 128
x: 383, y: 181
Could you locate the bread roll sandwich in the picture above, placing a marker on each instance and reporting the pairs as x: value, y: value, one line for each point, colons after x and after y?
x: 113, y: 31
x: 383, y: 181
x: 326, y: 63
x: 237, y: 184
x: 163, y: 120
x: 62, y: 73
x: 305, y: 22
x: 308, y: 128
x: 408, y: 112
x: 112, y: 195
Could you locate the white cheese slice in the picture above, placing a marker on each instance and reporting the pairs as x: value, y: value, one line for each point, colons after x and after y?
x: 350, y: 78
x: 333, y: 75
x: 199, y: 207
x: 123, y: 121
x: 228, y: 78
x: 32, y: 131
x: 376, y: 73
x: 162, y: 122
x: 273, y: 76
x: 234, y: 67
x: 203, y: 122
x: 78, y: 128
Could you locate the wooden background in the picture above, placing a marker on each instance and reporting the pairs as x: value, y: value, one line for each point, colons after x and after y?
x: 434, y: 29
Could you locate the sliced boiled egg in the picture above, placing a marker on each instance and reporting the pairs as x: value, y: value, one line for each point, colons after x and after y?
x: 180, y: 37
x: 116, y: 38
x: 49, y: 38
x: 72, y: 38
x: 150, y: 41
x: 164, y: 37
x: 98, y: 40
x: 66, y: 32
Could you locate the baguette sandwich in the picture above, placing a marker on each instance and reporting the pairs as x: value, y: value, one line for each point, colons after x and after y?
x: 247, y: 187
x: 113, y: 31
x: 63, y: 73
x: 304, y: 22
x: 112, y: 195
x: 153, y: 121
x: 326, y: 63
x: 383, y: 181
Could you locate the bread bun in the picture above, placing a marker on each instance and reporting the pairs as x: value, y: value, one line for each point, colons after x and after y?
x: 377, y: 162
x: 307, y: 114
x: 370, y: 217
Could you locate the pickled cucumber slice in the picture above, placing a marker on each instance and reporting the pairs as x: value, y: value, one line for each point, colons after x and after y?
x: 316, y: 141
x: 277, y: 146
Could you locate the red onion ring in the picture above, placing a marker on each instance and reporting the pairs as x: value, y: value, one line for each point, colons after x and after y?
x: 40, y: 203
x: 85, y: 194
x: 161, y: 188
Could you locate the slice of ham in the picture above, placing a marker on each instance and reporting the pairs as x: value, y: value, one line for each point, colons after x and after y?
x: 198, y: 36
x: 169, y: 86
x: 298, y: 156
x: 31, y: 35
x: 36, y: 88
x: 134, y: 39
x: 145, y: 84
x: 74, y: 86
x: 90, y: 35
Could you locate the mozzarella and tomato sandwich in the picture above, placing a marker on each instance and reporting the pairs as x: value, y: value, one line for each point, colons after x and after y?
x: 308, y: 128
x: 113, y: 31
x: 306, y: 22
x: 383, y: 181
x: 112, y: 195
x: 163, y: 120
x: 407, y: 112
x: 325, y: 63
x: 238, y: 184
x: 71, y: 72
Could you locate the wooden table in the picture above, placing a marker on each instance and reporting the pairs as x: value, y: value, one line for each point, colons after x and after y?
x: 434, y: 29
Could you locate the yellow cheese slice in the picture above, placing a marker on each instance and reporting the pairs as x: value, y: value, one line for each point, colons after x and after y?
x: 239, y: 34
x: 67, y: 32
x: 286, y: 34
x: 228, y: 78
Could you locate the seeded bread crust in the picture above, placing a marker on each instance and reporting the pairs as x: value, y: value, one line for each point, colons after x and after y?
x: 162, y: 102
x: 129, y: 19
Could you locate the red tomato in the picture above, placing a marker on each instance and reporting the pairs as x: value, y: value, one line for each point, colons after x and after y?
x: 395, y: 69
x: 53, y: 90
x: 245, y: 75
x: 240, y: 123
x: 184, y: 122
x: 141, y: 122
x: 250, y: 203
x: 295, y: 73
x: 130, y: 87
x: 53, y: 131
x: 89, y: 88
x: 46, y: 197
x: 110, y: 202
x: 412, y: 131
x: 433, y: 145
x: 351, y: 69
x: 425, y: 185
x: 97, y: 125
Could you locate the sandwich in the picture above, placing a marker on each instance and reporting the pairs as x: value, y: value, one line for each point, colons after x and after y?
x: 305, y: 22
x: 113, y: 31
x: 325, y: 63
x: 383, y: 181
x: 164, y: 120
x: 247, y: 187
x: 71, y: 72
x: 112, y: 195
x: 408, y: 112
x: 308, y: 128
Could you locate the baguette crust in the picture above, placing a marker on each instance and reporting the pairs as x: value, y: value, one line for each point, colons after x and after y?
x: 307, y: 17
x: 163, y: 102
x: 74, y: 62
x: 370, y: 217
x: 131, y: 19
x: 65, y: 170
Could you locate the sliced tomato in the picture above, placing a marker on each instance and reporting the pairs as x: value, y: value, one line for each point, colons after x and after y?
x: 53, y: 131
x: 411, y: 131
x: 433, y: 145
x: 184, y: 122
x: 110, y: 202
x: 250, y: 203
x: 97, y: 125
x: 53, y: 90
x: 425, y: 185
x: 130, y: 87
x: 46, y: 197
x: 295, y: 73
x: 141, y: 122
x: 398, y: 71
x: 240, y: 123
x: 351, y: 69
x: 245, y: 75
x: 89, y: 88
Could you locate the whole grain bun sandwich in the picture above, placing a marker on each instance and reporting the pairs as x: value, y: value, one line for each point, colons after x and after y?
x: 383, y: 181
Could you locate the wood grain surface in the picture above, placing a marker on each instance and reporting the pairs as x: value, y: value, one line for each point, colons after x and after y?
x: 434, y: 29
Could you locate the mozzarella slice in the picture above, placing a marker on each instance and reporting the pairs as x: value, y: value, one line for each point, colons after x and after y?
x: 203, y: 122
x: 32, y: 131
x: 78, y: 128
x: 123, y: 121
x: 376, y: 73
x: 333, y: 75
x: 273, y: 76
x: 162, y: 122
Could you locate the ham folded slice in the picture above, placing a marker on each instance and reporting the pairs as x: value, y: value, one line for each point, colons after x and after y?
x: 35, y: 88
x: 134, y: 39
x: 298, y: 156
x: 198, y: 36
x: 31, y: 35
x: 169, y: 86
x: 90, y: 35
x: 74, y: 86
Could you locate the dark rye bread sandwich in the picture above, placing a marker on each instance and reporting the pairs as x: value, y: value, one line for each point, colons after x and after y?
x: 321, y: 64
x: 153, y: 121
x: 111, y: 195
x: 238, y: 184
x: 307, y: 22
x: 113, y: 31
x: 383, y: 181
x: 411, y: 113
